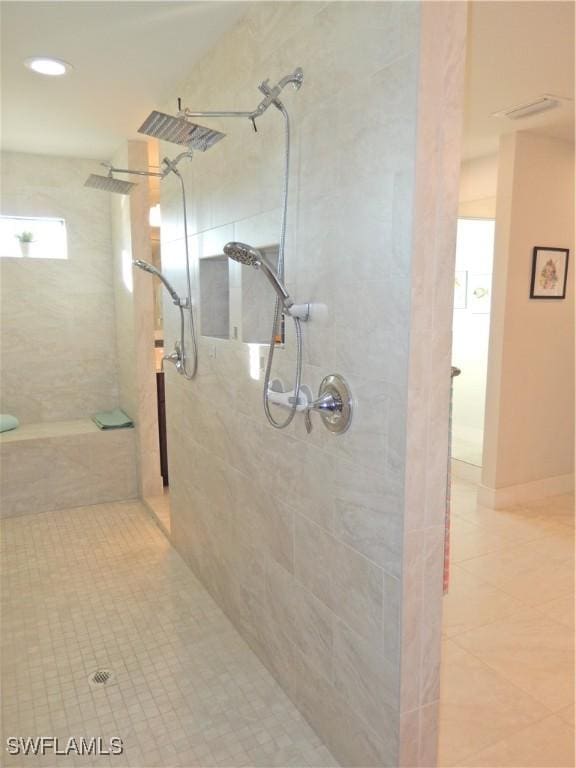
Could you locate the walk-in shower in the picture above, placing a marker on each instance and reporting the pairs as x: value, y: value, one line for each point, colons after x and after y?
x: 334, y: 401
x: 165, y: 126
x: 204, y: 138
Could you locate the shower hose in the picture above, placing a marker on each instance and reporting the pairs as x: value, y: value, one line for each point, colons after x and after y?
x: 278, y: 304
x: 188, y: 374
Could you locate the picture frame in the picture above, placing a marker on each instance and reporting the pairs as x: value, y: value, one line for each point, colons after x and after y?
x: 549, y: 272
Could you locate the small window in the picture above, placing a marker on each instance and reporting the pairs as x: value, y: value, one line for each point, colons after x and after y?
x: 37, y: 238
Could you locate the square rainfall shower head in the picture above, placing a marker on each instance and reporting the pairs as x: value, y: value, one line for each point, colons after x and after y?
x: 109, y: 184
x: 179, y: 131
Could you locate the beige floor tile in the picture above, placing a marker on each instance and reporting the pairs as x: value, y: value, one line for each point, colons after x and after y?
x: 567, y: 714
x: 552, y: 548
x: 560, y: 609
x: 547, y: 744
x: 560, y: 509
x: 478, y: 706
x: 464, y: 494
x: 541, y: 585
x: 470, y: 540
x: 563, y: 505
x: 530, y: 650
x: 517, y: 525
x: 524, y: 553
x: 472, y: 603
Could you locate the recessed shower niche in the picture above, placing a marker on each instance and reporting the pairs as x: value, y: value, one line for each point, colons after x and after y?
x: 214, y: 297
x: 236, y: 304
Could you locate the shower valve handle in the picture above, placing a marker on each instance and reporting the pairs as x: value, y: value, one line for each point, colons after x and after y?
x: 327, y: 403
x: 334, y: 404
x: 174, y: 357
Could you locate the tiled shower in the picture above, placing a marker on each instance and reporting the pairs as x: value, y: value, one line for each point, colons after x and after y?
x: 302, y: 538
x: 323, y: 551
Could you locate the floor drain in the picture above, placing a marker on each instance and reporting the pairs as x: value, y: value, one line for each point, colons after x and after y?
x: 100, y: 677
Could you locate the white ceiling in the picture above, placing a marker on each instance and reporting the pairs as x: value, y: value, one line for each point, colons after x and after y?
x: 517, y: 51
x: 129, y: 56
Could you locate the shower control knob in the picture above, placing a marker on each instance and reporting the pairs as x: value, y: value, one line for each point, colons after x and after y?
x: 329, y: 401
x: 334, y: 404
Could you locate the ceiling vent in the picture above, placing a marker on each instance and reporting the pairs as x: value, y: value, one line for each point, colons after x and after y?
x: 529, y: 108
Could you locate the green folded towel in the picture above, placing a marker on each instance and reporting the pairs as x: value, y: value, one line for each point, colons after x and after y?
x: 8, y: 422
x: 115, y: 419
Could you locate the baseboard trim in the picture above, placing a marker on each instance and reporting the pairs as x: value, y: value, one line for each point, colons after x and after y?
x: 499, y: 498
x: 465, y: 471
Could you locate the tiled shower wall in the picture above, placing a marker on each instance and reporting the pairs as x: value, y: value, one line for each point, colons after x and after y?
x: 301, y: 537
x: 58, y: 336
x: 134, y: 304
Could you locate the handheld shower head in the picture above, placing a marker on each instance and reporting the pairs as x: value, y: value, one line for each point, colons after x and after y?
x: 251, y: 257
x: 244, y: 254
x: 146, y: 267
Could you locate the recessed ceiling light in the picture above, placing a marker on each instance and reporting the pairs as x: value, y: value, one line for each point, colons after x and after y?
x: 45, y: 65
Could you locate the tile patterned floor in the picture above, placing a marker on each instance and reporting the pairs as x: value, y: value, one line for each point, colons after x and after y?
x: 507, y: 696
x: 100, y: 587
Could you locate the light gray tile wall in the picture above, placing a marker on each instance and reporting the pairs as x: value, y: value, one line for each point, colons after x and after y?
x: 301, y: 537
x: 135, y: 310
x: 214, y: 297
x: 57, y: 337
x: 67, y: 470
x: 440, y: 108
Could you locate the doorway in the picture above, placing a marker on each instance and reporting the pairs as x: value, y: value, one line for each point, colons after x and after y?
x: 471, y: 332
x: 507, y: 690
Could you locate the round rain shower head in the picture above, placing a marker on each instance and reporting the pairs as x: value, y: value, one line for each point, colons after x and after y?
x: 243, y: 253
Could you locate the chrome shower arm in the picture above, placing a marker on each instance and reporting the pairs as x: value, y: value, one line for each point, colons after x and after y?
x: 112, y: 169
x: 296, y: 79
x: 271, y: 94
x: 188, y: 113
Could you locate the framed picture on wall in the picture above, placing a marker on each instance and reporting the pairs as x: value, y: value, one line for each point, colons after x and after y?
x: 460, y: 289
x: 549, y: 273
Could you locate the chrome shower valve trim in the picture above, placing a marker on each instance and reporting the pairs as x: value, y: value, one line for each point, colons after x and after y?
x: 334, y: 404
x: 173, y: 357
